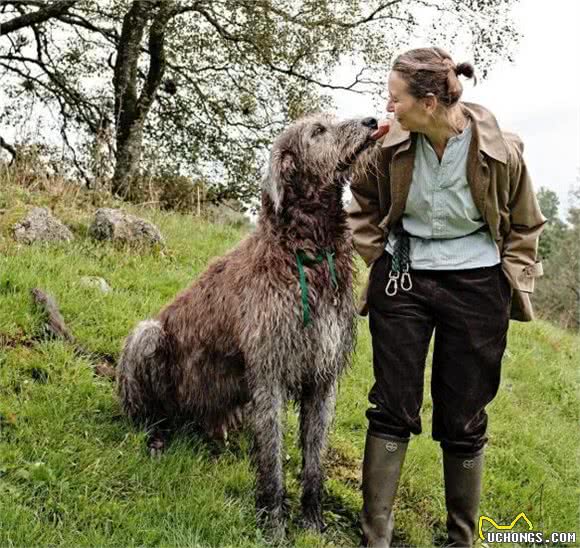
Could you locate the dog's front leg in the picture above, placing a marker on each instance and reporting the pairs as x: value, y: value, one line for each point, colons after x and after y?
x: 267, y: 407
x: 316, y: 412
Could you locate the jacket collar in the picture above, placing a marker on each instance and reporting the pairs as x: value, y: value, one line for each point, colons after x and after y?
x: 396, y: 136
x: 489, y: 137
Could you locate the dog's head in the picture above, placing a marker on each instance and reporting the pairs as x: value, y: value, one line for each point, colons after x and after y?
x: 310, y: 154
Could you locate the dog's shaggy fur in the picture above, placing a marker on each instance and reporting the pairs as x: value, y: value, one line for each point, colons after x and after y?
x: 236, y: 337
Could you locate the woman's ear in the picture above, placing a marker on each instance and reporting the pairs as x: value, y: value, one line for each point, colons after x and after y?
x: 430, y: 102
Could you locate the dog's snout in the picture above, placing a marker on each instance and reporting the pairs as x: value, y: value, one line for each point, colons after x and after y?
x: 370, y: 122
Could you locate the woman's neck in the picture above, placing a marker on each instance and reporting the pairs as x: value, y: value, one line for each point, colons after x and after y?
x: 446, y: 124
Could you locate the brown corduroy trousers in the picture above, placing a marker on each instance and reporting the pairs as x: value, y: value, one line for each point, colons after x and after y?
x: 468, y: 310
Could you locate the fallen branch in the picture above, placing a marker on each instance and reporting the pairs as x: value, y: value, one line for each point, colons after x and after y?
x: 55, y: 327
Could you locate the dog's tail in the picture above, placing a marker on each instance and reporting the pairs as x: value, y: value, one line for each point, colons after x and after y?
x: 143, y: 380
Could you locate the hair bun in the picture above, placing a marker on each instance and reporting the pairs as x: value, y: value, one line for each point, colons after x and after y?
x: 466, y: 69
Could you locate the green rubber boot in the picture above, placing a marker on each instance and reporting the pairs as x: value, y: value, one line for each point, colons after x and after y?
x: 462, y: 493
x: 383, y: 460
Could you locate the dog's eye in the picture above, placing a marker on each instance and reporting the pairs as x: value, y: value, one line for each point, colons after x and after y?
x: 318, y: 130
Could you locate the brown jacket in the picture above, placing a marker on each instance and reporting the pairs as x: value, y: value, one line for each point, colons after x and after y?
x: 500, y: 186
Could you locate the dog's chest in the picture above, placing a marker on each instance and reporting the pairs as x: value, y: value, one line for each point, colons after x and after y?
x: 321, y: 349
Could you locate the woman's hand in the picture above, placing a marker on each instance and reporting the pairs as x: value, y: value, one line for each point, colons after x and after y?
x: 383, y: 129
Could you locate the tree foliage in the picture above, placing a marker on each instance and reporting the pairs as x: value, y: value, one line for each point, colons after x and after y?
x: 555, y: 228
x: 558, y: 292
x: 199, y: 87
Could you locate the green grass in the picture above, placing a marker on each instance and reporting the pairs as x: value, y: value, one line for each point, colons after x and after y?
x: 74, y: 472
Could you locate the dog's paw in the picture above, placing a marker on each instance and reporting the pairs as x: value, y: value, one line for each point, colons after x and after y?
x: 219, y: 433
x: 313, y: 521
x: 236, y: 418
x: 274, y: 530
x: 156, y: 445
x: 273, y: 523
x: 312, y: 511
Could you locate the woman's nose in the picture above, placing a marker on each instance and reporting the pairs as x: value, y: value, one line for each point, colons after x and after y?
x: 390, y: 106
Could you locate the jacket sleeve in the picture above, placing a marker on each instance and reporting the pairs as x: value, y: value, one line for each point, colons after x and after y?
x: 519, y: 257
x: 364, y: 214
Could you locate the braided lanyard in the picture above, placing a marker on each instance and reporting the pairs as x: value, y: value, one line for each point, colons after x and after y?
x: 304, y: 260
x: 400, y: 264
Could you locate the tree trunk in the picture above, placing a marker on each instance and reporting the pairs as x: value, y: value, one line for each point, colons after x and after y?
x: 131, y: 110
x: 128, y: 158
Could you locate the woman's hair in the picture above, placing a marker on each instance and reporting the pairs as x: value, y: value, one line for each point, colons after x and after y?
x: 432, y: 71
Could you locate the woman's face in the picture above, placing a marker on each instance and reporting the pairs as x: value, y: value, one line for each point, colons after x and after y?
x: 413, y: 114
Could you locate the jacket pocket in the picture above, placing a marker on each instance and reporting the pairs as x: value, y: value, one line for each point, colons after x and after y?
x: 534, y: 270
x: 523, y: 278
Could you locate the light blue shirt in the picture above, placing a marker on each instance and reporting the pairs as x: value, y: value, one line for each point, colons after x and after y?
x: 444, y: 225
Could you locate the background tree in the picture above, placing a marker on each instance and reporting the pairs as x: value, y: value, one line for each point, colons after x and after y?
x: 199, y: 87
x: 558, y: 292
x: 555, y: 229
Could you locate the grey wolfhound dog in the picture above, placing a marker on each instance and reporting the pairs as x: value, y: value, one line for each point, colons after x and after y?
x: 273, y: 319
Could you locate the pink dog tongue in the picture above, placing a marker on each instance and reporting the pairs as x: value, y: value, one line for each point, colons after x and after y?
x: 384, y: 126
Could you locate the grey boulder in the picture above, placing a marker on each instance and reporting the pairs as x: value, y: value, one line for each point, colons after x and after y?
x: 41, y: 226
x: 96, y: 283
x: 120, y: 226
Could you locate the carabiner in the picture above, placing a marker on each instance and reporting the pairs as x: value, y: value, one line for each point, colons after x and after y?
x: 406, y: 282
x: 393, y: 277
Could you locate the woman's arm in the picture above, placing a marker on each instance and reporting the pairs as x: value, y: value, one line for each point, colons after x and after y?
x: 520, y: 249
x: 364, y: 212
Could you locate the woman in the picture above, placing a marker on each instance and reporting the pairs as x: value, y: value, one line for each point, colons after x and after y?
x: 449, y: 221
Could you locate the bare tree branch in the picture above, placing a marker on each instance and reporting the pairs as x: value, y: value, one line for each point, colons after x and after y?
x: 76, y: 20
x: 60, y: 89
x: 36, y: 17
x: 9, y: 148
x: 302, y: 19
x: 351, y: 87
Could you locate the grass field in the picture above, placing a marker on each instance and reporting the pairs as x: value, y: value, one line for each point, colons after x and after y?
x: 74, y: 472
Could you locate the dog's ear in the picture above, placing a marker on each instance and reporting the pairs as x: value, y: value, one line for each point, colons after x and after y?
x: 282, y: 168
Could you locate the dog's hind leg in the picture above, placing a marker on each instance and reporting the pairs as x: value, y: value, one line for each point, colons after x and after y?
x: 266, y: 408
x: 145, y: 384
x: 316, y: 412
